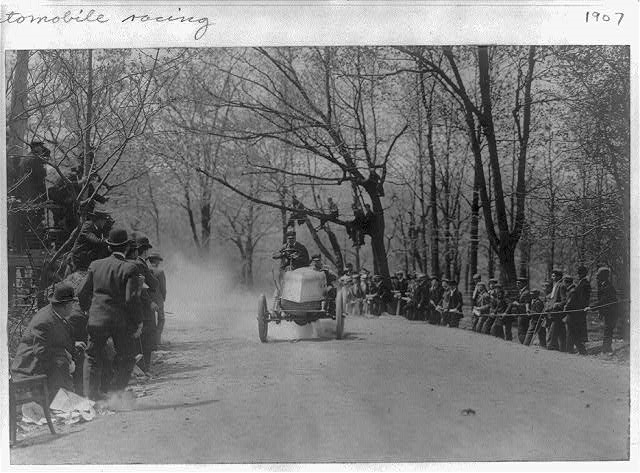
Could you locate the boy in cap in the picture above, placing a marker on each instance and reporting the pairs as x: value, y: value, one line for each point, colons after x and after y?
x: 47, y: 344
x: 609, y: 313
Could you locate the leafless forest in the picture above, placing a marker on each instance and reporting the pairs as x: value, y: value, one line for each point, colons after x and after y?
x: 501, y: 160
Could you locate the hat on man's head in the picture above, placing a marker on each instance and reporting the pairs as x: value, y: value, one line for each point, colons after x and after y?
x: 155, y: 256
x: 557, y: 271
x: 316, y: 257
x: 535, y: 292
x: 142, y: 242
x: 421, y: 276
x: 62, y: 292
x: 493, y: 281
x: 603, y: 273
x: 118, y: 237
x: 477, y: 276
x: 522, y: 279
x: 582, y: 271
x: 291, y: 232
x: 39, y: 144
x: 453, y: 281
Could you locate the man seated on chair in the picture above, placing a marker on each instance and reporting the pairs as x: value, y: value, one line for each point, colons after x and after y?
x: 47, y: 344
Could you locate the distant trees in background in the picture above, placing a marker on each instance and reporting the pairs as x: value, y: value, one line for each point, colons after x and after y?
x: 502, y: 160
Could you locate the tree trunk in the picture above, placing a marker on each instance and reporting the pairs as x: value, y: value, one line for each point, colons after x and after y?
x: 87, y: 132
x: 506, y: 256
x: 205, y: 226
x: 475, y: 210
x: 17, y: 125
x: 525, y: 252
x: 377, y: 235
x: 335, y: 246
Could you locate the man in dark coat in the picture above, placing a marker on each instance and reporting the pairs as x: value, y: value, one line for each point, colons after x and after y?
x: 148, y: 304
x: 90, y: 244
x: 109, y: 293
x: 293, y: 254
x: 521, y: 307
x: 482, y: 306
x: 501, y: 326
x: 557, y: 333
x: 435, y: 296
x: 609, y: 313
x: 420, y: 299
x: 452, y: 304
x: 578, y: 296
x: 47, y: 345
x: 161, y: 293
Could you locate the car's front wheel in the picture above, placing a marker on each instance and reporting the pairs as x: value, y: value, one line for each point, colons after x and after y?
x: 262, y: 318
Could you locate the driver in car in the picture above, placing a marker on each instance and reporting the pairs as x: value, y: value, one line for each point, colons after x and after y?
x: 292, y: 255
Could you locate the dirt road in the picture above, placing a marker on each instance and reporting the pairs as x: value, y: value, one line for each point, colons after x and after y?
x: 392, y: 390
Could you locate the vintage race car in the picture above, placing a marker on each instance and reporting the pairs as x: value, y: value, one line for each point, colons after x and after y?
x: 302, y: 297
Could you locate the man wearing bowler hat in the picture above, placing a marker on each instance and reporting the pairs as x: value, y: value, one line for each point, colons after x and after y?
x: 47, y: 344
x: 109, y: 293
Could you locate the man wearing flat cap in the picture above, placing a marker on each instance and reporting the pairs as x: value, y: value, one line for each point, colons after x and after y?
x: 110, y: 294
x: 47, y: 344
x: 293, y: 254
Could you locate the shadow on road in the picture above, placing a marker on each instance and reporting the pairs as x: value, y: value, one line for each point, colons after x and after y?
x: 327, y: 338
x: 172, y: 406
x: 42, y: 438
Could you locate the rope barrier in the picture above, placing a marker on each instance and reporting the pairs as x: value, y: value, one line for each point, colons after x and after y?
x: 563, y: 312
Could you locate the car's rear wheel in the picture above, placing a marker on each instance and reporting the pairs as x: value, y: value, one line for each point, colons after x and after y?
x: 262, y: 318
x: 339, y: 315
